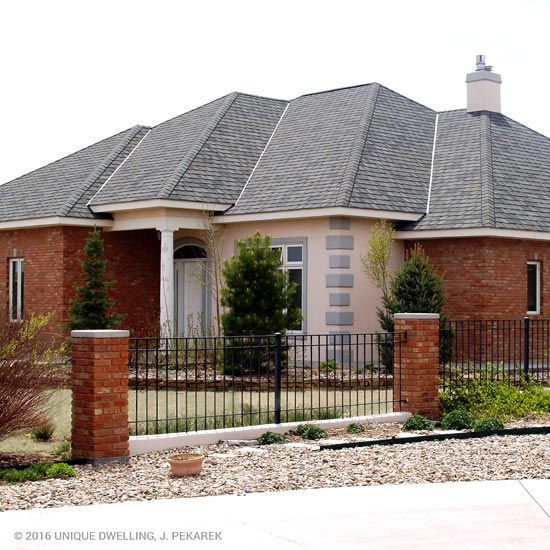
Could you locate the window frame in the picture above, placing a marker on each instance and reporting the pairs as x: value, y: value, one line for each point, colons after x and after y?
x: 536, y: 311
x: 17, y: 300
x: 284, y: 244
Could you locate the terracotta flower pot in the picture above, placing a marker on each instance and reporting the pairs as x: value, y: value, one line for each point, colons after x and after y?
x: 186, y: 464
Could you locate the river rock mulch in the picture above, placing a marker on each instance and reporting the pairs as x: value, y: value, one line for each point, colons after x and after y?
x: 231, y: 469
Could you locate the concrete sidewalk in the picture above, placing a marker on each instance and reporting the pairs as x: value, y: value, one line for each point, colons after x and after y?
x: 490, y: 514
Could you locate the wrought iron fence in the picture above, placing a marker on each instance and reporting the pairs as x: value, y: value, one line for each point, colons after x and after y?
x: 496, y: 350
x: 188, y: 384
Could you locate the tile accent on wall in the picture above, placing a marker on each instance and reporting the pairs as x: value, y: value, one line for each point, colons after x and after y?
x: 339, y: 317
x: 340, y: 223
x: 339, y: 299
x: 339, y: 261
x: 342, y: 242
x: 339, y: 280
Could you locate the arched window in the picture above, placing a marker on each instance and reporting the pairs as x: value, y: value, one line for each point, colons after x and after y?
x: 189, y: 252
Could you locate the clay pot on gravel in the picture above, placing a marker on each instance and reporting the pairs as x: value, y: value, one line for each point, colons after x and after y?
x: 186, y: 464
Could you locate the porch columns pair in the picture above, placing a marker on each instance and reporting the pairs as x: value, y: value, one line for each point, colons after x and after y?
x: 167, y: 324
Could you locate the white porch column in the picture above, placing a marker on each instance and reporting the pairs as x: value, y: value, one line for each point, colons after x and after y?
x: 167, y: 281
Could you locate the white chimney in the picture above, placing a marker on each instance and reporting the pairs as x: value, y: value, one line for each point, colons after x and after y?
x: 483, y: 88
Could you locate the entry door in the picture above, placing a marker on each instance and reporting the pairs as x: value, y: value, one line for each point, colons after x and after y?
x: 190, y: 296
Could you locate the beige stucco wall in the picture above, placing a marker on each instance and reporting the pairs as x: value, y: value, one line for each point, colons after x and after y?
x: 364, y: 298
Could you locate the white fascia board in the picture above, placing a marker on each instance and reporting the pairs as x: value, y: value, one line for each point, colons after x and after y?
x: 479, y: 232
x: 320, y: 213
x: 54, y: 220
x: 159, y: 203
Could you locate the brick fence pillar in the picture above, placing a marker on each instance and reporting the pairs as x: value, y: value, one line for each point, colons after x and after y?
x: 99, y: 382
x: 416, y: 363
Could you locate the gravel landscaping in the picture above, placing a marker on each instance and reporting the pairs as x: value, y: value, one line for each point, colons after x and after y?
x: 230, y: 469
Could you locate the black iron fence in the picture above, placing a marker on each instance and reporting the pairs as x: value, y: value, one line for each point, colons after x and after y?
x: 496, y: 349
x: 188, y: 384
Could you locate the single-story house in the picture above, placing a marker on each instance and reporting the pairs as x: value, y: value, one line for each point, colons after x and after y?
x: 315, y: 173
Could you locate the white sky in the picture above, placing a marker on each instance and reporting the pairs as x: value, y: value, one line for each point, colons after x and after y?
x: 75, y: 72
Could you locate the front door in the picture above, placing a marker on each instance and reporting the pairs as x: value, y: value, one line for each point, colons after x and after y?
x: 190, y: 296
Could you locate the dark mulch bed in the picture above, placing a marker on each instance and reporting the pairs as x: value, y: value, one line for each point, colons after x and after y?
x: 22, y: 460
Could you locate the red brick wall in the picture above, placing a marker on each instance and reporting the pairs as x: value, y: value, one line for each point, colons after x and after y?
x: 42, y: 250
x: 52, y: 269
x: 486, y: 278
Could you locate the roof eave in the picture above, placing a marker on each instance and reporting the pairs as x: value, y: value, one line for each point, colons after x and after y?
x: 159, y: 203
x: 320, y: 213
x: 421, y: 234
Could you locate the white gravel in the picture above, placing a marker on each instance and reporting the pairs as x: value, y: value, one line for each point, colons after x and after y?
x: 240, y: 470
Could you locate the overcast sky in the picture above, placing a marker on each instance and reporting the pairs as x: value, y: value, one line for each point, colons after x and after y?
x: 75, y: 72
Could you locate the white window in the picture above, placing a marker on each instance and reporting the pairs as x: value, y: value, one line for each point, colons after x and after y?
x: 533, y: 288
x: 16, y: 289
x: 293, y: 262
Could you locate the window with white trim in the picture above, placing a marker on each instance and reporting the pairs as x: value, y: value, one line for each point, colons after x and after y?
x: 292, y: 262
x: 533, y: 288
x: 16, y: 294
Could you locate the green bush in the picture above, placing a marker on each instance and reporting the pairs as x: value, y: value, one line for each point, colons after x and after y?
x: 355, y: 428
x: 309, y: 431
x: 488, y: 424
x: 35, y: 472
x: 417, y: 422
x: 43, y: 432
x: 498, y: 398
x: 458, y: 420
x: 270, y: 438
x: 329, y: 365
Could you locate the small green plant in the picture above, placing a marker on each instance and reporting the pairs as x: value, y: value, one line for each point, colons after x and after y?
x: 458, y: 419
x: 488, y: 424
x: 355, y: 428
x: 63, y: 450
x: 370, y: 368
x: 328, y: 366
x: 416, y: 423
x: 43, y: 432
x: 310, y: 431
x: 35, y: 472
x: 270, y: 438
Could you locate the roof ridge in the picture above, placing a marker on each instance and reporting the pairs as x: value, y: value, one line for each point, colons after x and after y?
x: 174, y: 178
x: 488, y: 218
x: 73, y: 199
x: 349, y: 176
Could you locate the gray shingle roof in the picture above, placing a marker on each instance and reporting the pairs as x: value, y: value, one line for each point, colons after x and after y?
x: 63, y: 187
x: 204, y: 155
x: 364, y: 147
x: 489, y: 172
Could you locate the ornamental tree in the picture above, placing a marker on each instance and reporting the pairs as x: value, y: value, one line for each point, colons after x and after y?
x: 92, y: 308
x: 257, y: 293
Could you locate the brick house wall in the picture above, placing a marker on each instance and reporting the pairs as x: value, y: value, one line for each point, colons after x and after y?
x: 486, y: 277
x: 52, y: 269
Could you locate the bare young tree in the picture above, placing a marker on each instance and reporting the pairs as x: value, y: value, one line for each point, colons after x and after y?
x: 213, y: 237
x: 29, y: 366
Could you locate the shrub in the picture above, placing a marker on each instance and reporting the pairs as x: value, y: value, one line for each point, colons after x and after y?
x: 498, y: 398
x: 29, y: 366
x: 488, y: 424
x: 35, y: 472
x: 458, y: 420
x: 270, y: 438
x: 63, y: 450
x: 310, y: 431
x: 329, y: 365
x: 418, y: 422
x: 355, y: 428
x: 43, y: 432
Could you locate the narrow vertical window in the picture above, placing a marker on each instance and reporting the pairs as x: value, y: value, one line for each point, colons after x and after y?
x: 533, y: 288
x: 292, y: 262
x: 16, y: 294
